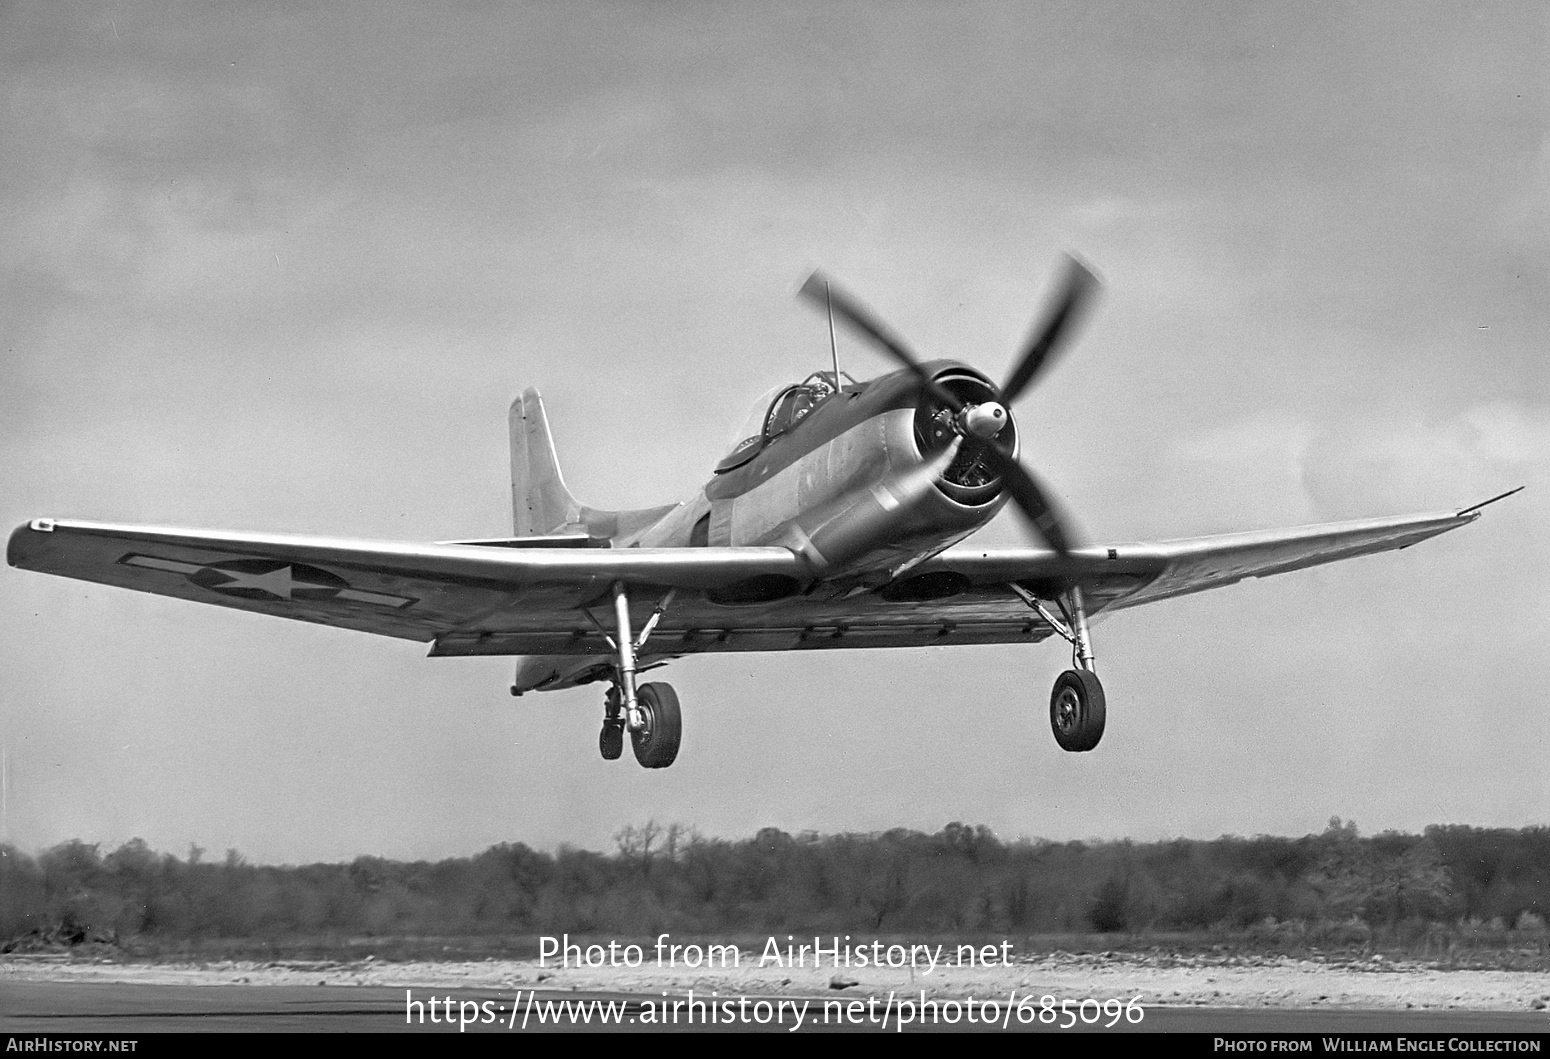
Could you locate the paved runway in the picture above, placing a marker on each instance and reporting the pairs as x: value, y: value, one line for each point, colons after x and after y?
x: 49, y: 1007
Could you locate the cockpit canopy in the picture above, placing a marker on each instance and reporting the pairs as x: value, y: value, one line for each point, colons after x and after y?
x: 777, y: 412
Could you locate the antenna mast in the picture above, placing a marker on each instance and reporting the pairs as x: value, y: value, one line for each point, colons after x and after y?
x: 834, y: 350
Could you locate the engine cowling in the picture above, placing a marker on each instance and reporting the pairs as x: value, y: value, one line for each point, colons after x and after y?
x: 969, y: 479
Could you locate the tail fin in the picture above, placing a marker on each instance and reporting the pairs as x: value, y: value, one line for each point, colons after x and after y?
x: 541, y: 503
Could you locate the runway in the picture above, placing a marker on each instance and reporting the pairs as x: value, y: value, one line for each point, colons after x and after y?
x: 113, y: 1008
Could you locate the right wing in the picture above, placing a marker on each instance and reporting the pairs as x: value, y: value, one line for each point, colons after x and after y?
x: 411, y: 591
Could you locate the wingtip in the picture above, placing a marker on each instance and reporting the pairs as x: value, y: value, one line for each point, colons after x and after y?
x: 16, y: 549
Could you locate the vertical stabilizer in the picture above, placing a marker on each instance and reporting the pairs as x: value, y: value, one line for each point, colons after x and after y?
x: 540, y: 501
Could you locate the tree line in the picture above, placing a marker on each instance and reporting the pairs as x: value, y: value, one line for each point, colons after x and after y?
x: 1338, y: 887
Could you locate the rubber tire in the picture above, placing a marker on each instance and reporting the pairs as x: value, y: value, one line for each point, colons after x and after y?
x: 656, y: 744
x: 610, y: 741
x: 1077, y: 710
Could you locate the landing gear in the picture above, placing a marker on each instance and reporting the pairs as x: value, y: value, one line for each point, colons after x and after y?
x: 1077, y: 710
x: 656, y: 740
x: 661, y: 730
x: 650, y: 713
x: 610, y: 741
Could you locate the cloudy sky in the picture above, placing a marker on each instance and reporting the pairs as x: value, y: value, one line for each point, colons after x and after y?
x: 283, y: 267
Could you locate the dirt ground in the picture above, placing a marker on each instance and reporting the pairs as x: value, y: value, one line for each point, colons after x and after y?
x: 1237, y: 981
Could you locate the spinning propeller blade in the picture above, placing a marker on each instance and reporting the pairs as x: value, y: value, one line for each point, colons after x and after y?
x: 1044, y: 342
x: 1023, y: 489
x: 821, y: 291
x: 1032, y: 501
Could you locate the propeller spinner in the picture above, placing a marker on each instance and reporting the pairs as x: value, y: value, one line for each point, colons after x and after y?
x: 978, y: 424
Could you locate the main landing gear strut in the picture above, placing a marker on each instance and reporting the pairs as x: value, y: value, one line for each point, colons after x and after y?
x: 1076, y: 705
x: 648, y: 712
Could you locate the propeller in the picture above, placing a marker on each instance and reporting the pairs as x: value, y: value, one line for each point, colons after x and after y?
x: 982, y: 422
x: 1079, y: 287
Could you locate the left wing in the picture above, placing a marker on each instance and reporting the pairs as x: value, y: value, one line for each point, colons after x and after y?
x: 963, y: 596
x: 1128, y: 575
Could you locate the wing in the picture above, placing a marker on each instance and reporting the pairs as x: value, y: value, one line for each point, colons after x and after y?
x: 479, y: 599
x: 412, y: 591
x: 962, y: 596
x: 1128, y: 575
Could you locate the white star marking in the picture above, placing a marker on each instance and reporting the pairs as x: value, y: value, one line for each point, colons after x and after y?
x: 276, y: 582
x: 280, y: 583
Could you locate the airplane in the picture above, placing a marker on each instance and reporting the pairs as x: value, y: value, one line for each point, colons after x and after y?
x: 838, y: 521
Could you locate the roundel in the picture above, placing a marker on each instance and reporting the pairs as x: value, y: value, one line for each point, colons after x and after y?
x: 268, y: 579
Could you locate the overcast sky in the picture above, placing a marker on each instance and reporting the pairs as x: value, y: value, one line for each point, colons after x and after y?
x: 283, y: 267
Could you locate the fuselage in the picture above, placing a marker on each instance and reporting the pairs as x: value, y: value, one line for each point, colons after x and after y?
x: 857, y: 481
x: 862, y: 482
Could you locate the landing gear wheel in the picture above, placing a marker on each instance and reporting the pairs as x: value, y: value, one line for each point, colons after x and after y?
x: 1076, y: 710
x: 610, y: 741
x: 656, y: 742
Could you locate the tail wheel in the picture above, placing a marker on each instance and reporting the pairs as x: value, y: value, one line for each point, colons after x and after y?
x: 656, y: 741
x: 1076, y: 710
